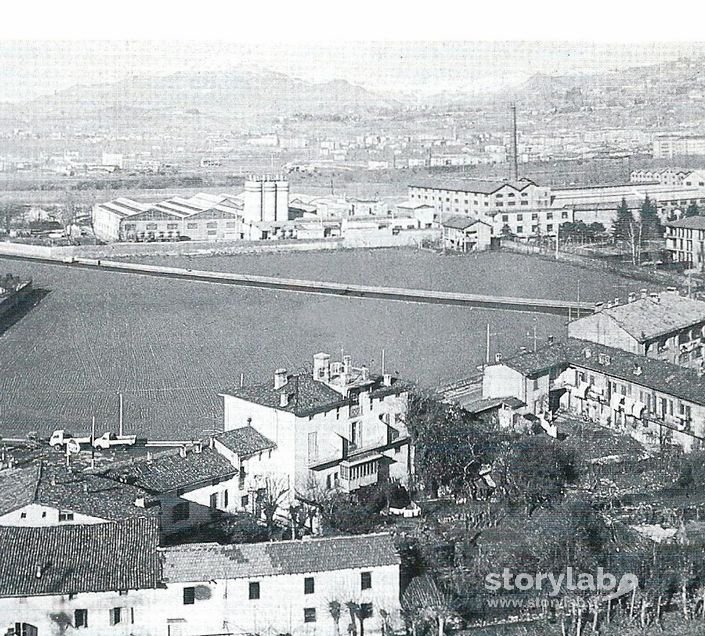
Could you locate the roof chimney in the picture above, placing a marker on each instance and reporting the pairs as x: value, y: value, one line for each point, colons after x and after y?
x: 387, y: 379
x: 551, y: 340
x: 632, y: 297
x: 283, y: 399
x: 643, y: 293
x: 347, y: 365
x: 321, y: 367
x: 280, y: 378
x: 599, y: 306
x: 672, y: 290
x: 637, y: 369
x: 182, y: 451
x: 616, y: 302
x: 197, y: 447
x: 365, y: 373
x: 498, y: 357
x: 38, y: 572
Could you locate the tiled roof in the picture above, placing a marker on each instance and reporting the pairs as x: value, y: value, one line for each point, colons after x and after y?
x: 205, y: 561
x: 169, y: 471
x: 306, y: 395
x: 680, y: 382
x: 691, y: 223
x: 646, y: 318
x: 461, y: 222
x: 469, y: 185
x: 486, y: 404
x: 245, y: 441
x: 83, y: 493
x: 90, y: 495
x: 18, y: 487
x: 79, y: 558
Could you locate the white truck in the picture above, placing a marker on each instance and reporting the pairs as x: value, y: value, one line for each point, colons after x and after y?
x: 107, y: 440
x: 59, y: 438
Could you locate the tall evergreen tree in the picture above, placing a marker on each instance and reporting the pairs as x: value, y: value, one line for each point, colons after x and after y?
x: 621, y: 227
x: 650, y: 223
x: 693, y: 209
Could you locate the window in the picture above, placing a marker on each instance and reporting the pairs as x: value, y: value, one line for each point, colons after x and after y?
x: 129, y: 226
x: 189, y: 595
x: 534, y: 216
x: 192, y: 226
x: 365, y: 610
x: 225, y: 499
x: 231, y: 224
x: 213, y: 501
x: 65, y: 515
x: 172, y: 226
x: 520, y: 217
x: 549, y: 227
x: 564, y: 215
x: 505, y: 218
x: 365, y: 580
x: 312, y: 446
x: 520, y: 229
x: 309, y: 614
x: 180, y: 512
x: 254, y: 590
x: 80, y: 618
x: 212, y: 224
x: 151, y: 226
x: 244, y: 501
x: 122, y: 592
x: 549, y: 215
x: 23, y: 515
x: 116, y: 616
x: 309, y: 585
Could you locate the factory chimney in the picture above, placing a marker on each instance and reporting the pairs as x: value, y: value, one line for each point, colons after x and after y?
x: 515, y: 151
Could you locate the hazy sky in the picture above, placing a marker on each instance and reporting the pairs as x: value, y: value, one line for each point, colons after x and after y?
x: 32, y: 68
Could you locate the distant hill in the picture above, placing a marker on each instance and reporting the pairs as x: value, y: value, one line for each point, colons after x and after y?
x: 235, y: 94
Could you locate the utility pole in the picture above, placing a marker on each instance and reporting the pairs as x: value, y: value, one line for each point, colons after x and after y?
x: 487, y: 345
x: 382, y: 360
x: 92, y: 440
x: 558, y: 226
x: 120, y: 418
x: 535, y: 338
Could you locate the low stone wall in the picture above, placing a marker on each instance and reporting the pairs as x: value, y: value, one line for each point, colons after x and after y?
x: 354, y: 239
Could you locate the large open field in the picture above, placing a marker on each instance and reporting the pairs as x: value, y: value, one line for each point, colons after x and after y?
x: 170, y: 346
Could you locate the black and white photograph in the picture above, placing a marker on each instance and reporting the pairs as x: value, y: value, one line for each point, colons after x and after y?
x: 309, y: 328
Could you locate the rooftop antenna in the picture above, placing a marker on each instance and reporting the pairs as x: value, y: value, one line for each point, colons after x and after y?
x: 515, y: 160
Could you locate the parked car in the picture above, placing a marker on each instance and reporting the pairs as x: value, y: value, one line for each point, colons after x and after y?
x: 108, y: 440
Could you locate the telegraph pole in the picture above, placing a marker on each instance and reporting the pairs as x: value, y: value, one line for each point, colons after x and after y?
x: 120, y: 418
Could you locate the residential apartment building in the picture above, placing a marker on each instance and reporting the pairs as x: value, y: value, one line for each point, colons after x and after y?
x: 685, y: 241
x: 466, y: 234
x: 114, y: 578
x: 338, y: 425
x: 669, y: 146
x: 655, y: 401
x: 665, y: 326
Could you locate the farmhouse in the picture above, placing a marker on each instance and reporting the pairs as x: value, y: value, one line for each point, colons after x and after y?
x: 114, y: 578
x: 338, y: 425
x: 655, y: 401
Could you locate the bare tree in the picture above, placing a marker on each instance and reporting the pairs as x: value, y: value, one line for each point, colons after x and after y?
x: 270, y: 498
x: 424, y: 601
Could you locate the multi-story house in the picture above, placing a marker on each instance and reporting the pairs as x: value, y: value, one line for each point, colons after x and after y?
x: 685, y: 241
x: 466, y: 234
x: 113, y: 578
x: 189, y: 486
x: 339, y: 426
x: 666, y: 326
x: 655, y: 401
